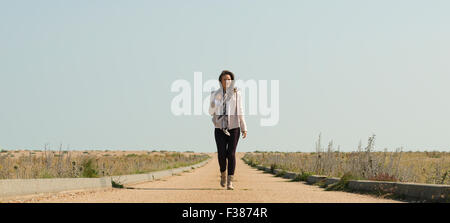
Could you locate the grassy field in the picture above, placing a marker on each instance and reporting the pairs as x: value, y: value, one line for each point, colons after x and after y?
x: 364, y: 163
x: 29, y: 164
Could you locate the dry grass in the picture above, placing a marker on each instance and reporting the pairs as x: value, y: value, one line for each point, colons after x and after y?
x: 26, y: 164
x: 364, y: 163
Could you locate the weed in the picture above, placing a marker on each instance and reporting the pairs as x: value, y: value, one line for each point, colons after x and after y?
x: 46, y: 175
x: 88, y: 169
x: 342, y: 184
x: 302, y: 176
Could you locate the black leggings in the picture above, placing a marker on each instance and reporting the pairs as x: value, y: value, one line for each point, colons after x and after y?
x: 224, y: 152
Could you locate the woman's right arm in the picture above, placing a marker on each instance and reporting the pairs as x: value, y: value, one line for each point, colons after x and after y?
x: 213, y: 103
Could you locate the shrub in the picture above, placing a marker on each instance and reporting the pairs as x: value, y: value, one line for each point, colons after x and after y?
x: 88, y: 169
x: 302, y: 176
x: 342, y: 184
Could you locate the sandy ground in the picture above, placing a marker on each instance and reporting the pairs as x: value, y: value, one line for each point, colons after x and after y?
x: 202, y: 185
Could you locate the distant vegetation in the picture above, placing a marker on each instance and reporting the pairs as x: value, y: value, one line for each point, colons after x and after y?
x: 421, y: 167
x: 68, y: 164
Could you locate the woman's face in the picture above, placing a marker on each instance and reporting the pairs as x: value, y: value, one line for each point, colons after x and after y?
x: 225, y: 78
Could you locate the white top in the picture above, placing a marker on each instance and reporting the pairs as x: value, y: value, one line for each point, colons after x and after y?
x: 235, y: 116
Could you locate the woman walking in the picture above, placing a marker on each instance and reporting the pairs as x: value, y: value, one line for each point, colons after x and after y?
x: 229, y: 122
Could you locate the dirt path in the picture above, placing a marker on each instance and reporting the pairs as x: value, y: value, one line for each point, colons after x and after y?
x: 202, y: 185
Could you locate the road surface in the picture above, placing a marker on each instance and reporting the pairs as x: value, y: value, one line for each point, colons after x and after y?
x: 201, y: 185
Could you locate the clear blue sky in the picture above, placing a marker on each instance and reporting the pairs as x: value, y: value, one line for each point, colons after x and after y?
x: 97, y: 74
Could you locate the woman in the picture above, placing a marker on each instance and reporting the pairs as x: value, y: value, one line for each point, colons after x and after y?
x: 228, y: 119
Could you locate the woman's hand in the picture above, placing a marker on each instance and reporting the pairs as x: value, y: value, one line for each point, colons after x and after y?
x: 244, y: 134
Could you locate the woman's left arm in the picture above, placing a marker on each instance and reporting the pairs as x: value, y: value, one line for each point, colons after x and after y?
x: 243, y: 125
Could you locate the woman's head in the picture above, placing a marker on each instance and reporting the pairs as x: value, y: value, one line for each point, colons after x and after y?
x: 226, y: 78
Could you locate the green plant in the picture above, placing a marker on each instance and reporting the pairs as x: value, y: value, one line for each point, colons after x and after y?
x: 302, y: 176
x: 444, y: 177
x: 88, y: 169
x: 342, y: 184
x: 46, y: 174
x: 250, y: 162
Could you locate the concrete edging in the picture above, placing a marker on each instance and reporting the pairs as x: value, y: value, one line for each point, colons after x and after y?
x: 138, y: 178
x: 18, y: 187
x: 410, y: 191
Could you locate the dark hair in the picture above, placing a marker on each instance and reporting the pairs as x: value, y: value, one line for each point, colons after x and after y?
x: 226, y: 72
